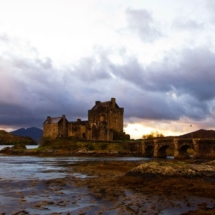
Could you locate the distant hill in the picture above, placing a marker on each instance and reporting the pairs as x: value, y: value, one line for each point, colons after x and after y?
x: 11, y: 139
x: 199, y: 134
x: 34, y: 133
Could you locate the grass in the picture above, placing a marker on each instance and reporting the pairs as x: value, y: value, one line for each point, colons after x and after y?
x: 7, y: 138
x: 76, y: 144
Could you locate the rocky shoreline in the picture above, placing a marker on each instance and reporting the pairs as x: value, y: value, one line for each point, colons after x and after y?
x: 173, y: 169
x: 132, y: 187
x: 22, y: 150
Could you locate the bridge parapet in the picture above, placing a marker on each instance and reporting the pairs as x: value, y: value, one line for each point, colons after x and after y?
x: 163, y: 140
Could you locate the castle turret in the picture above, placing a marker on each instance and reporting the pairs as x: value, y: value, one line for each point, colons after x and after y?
x: 113, y: 103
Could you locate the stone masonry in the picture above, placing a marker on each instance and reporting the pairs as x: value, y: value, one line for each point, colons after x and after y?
x: 105, y: 120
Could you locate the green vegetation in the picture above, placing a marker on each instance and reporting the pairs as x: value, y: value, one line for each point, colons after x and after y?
x: 120, y: 136
x: 11, y: 139
x: 153, y: 134
x: 75, y: 144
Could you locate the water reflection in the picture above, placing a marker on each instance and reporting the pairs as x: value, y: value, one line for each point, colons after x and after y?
x: 32, y: 167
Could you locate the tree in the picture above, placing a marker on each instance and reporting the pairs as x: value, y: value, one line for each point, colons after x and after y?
x: 153, y: 134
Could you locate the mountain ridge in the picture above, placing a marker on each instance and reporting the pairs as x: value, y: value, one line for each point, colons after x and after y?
x: 33, y: 132
x: 201, y: 133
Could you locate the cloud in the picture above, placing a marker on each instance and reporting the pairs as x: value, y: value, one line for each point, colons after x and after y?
x: 191, y: 73
x: 184, y: 23
x: 177, y: 86
x: 31, y: 89
x: 90, y: 69
x: 141, y: 22
x: 170, y: 90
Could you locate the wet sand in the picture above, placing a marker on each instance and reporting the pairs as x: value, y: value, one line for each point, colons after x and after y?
x: 100, y: 187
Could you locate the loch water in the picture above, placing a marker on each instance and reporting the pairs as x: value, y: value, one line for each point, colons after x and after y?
x: 23, y: 180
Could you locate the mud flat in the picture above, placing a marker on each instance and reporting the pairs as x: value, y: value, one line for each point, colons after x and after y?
x: 70, y: 185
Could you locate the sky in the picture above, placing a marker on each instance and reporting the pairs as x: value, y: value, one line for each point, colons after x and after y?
x: 157, y: 58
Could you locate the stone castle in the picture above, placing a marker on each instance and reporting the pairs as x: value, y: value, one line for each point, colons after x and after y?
x: 105, y: 122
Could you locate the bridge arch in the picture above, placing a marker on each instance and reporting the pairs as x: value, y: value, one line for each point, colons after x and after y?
x: 148, y: 148
x: 149, y: 151
x: 181, y: 147
x: 160, y: 147
x: 202, y: 147
x: 161, y: 153
x: 183, y: 151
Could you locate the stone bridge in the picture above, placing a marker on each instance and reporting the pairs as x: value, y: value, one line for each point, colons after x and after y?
x: 203, y: 148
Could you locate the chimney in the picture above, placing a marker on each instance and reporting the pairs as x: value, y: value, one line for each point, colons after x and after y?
x: 113, y: 102
x: 64, y: 118
x: 98, y: 102
x: 78, y: 120
x: 48, y: 119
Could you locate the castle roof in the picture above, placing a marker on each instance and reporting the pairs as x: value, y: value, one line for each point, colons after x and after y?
x: 107, y: 104
x: 80, y: 122
x: 53, y: 120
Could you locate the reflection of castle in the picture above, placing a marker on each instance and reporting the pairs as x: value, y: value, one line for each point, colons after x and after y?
x: 105, y: 120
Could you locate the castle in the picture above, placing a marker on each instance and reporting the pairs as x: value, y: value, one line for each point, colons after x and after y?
x: 105, y: 122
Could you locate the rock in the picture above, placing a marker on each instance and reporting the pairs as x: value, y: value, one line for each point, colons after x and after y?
x: 19, y: 146
x: 5, y: 149
x: 162, y: 168
x: 211, y: 162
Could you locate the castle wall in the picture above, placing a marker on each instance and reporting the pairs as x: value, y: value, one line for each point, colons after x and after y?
x: 63, y: 127
x: 115, y: 119
x: 77, y: 129
x: 104, y: 121
x: 107, y: 113
x: 50, y: 130
x: 101, y: 133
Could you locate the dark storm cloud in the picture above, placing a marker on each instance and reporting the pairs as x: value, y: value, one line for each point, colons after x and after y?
x: 33, y: 89
x: 180, y: 85
x: 162, y: 90
x: 142, y: 23
x: 192, y: 73
x: 92, y: 69
x: 169, y: 89
x: 14, y: 114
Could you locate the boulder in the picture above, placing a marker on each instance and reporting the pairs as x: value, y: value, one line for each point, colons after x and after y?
x: 19, y: 146
x: 172, y: 169
x: 5, y: 149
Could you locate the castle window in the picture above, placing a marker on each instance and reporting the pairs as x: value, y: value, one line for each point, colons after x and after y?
x: 101, y: 118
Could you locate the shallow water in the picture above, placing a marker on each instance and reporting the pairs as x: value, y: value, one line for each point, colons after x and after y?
x: 29, y: 183
x: 27, y: 146
x: 33, y: 167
